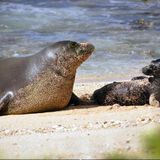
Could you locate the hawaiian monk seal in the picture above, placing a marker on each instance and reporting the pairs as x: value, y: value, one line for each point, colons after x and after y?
x: 133, y: 92
x: 43, y: 81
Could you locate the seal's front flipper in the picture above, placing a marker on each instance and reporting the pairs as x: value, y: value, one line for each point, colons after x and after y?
x: 153, y: 101
x: 74, y: 100
x: 4, y: 100
x: 83, y: 100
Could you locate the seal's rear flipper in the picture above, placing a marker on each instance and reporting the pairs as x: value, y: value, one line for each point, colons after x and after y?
x: 138, y: 78
x: 4, y: 100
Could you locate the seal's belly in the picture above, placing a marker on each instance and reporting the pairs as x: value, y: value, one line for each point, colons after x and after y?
x: 47, y: 92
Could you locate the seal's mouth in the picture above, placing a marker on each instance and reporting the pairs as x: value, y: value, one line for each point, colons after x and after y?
x: 86, y: 48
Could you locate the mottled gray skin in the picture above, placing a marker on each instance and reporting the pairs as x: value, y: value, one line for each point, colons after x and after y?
x: 134, y: 92
x: 153, y: 70
x: 43, y: 81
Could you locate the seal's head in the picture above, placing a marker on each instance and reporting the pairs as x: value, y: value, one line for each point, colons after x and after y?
x: 153, y: 69
x: 70, y: 54
x: 73, y: 50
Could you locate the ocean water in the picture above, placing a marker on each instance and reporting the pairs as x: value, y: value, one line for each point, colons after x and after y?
x: 124, y: 44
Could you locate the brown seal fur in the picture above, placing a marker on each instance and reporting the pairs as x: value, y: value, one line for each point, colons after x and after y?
x: 43, y: 81
x: 134, y: 92
x: 153, y: 70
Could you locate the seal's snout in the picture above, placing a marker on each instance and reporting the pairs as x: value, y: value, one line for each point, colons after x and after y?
x: 90, y: 47
x: 146, y: 70
x: 87, y: 47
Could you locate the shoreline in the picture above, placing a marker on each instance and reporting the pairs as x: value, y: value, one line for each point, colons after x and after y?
x: 100, y: 80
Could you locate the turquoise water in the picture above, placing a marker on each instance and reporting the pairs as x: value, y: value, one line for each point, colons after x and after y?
x: 123, y: 47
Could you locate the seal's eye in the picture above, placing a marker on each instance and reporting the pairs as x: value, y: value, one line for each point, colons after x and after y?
x: 74, y: 44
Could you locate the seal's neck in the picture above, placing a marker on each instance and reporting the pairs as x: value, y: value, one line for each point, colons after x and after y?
x: 65, y: 71
x: 67, y: 66
x: 58, y: 64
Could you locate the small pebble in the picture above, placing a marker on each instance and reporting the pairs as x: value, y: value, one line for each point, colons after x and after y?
x: 14, y: 143
x: 128, y: 148
x: 128, y: 141
x: 105, y: 122
x: 7, y: 131
x: 116, y: 105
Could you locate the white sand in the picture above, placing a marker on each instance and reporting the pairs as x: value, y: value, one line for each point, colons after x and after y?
x: 78, y: 132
